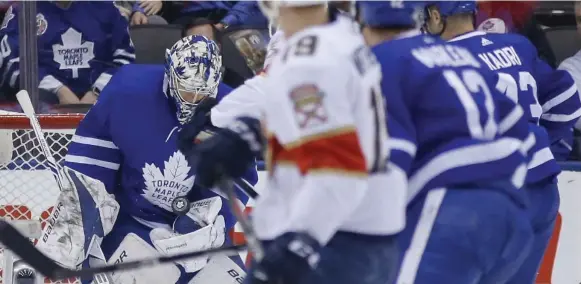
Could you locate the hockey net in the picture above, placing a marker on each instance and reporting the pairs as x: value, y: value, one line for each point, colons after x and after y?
x: 27, y: 188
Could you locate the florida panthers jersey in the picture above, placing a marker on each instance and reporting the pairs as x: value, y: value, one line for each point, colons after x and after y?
x: 447, y: 126
x: 128, y: 140
x: 327, y: 157
x: 80, y: 46
x: 549, y: 97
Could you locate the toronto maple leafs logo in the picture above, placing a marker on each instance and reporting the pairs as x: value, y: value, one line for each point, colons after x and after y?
x: 73, y: 54
x: 162, y: 188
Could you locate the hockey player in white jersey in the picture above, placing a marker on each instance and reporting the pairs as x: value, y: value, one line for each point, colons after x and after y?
x: 326, y: 216
x: 131, y: 156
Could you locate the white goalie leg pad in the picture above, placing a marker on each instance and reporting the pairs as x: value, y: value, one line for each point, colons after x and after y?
x: 84, y: 213
x: 220, y: 269
x: 135, y: 248
x: 210, y: 236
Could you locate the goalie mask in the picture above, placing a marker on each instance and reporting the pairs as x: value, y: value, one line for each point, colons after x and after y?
x: 193, y: 71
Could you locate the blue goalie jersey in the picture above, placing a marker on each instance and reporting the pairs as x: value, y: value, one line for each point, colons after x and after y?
x: 448, y: 128
x: 128, y: 140
x: 548, y: 97
x: 80, y: 47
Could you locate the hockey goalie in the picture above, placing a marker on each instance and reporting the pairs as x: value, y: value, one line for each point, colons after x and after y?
x: 125, y: 169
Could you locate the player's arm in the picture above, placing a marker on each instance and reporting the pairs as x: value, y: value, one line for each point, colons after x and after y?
x: 122, y: 50
x: 92, y: 150
x: 246, y: 100
x: 400, y: 125
x: 559, y: 99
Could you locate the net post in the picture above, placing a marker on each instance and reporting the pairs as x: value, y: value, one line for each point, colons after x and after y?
x: 28, y: 51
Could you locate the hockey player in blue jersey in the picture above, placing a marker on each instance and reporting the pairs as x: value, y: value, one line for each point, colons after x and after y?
x: 461, y: 143
x: 127, y: 146
x: 81, y: 44
x: 549, y: 98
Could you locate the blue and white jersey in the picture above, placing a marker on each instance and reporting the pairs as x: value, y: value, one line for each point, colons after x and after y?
x: 80, y: 47
x: 548, y: 97
x: 128, y: 140
x: 447, y: 126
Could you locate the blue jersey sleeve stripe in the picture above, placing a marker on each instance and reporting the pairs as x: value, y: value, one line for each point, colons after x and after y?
x: 95, y: 152
x: 560, y: 98
x: 102, y: 80
x: 510, y: 120
x: 94, y: 142
x: 50, y: 83
x: 540, y: 157
x: 561, y: 117
x: 11, y: 71
x: 120, y: 53
x: 90, y: 161
x: 461, y: 157
x: 402, y: 145
x: 528, y: 143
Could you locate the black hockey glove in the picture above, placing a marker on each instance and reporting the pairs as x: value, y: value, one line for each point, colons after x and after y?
x: 229, y: 152
x: 286, y: 260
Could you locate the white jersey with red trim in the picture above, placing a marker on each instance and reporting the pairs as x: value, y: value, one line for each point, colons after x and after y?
x: 327, y: 159
x: 248, y: 99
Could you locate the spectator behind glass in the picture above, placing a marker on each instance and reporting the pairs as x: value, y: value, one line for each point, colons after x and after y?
x: 515, y: 17
x: 80, y: 46
x: 141, y: 12
x: 217, y: 15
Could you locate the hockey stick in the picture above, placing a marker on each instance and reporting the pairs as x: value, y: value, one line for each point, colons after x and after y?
x: 254, y: 245
x: 20, y: 245
x: 252, y: 242
x: 26, y: 105
x: 246, y: 187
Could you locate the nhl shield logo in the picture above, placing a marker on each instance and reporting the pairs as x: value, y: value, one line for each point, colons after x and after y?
x: 41, y: 24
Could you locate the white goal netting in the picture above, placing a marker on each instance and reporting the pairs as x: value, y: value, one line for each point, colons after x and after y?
x: 27, y: 188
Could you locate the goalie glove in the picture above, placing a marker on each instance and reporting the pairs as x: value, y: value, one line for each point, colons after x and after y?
x: 201, y: 228
x: 231, y: 151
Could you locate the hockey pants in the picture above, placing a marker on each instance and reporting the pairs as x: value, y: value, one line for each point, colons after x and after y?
x: 351, y: 258
x: 544, y: 208
x: 463, y: 236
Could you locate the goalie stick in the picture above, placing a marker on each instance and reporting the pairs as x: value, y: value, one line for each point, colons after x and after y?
x: 26, y: 105
x: 20, y: 245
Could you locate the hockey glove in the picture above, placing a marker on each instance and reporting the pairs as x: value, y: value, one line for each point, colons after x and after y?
x: 286, y: 260
x: 229, y: 152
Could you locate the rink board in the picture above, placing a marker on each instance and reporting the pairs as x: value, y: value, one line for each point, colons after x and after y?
x: 561, y: 263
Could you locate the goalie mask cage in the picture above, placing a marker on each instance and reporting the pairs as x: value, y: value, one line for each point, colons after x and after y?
x: 27, y: 188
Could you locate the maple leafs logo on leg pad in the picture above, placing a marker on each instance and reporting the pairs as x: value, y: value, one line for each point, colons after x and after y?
x: 162, y: 188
